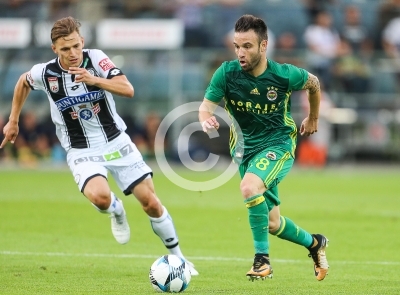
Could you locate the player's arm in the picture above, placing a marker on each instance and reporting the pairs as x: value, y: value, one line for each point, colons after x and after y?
x: 21, y: 92
x: 206, y: 115
x: 118, y: 85
x: 214, y: 94
x: 313, y: 88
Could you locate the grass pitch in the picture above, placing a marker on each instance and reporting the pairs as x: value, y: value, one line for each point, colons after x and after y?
x: 53, y: 242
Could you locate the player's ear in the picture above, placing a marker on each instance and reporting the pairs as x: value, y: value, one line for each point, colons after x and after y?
x: 53, y: 47
x: 83, y: 42
x: 264, y: 44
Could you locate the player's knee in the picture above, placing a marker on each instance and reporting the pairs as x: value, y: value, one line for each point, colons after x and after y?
x: 247, y: 189
x: 152, y: 205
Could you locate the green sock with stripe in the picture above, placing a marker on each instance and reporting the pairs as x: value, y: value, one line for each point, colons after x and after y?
x: 289, y: 231
x: 258, y: 218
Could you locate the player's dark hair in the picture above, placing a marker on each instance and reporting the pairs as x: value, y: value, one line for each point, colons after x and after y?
x: 249, y: 22
x: 64, y: 27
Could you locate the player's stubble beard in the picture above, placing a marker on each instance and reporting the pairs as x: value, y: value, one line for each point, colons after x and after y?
x: 253, y: 62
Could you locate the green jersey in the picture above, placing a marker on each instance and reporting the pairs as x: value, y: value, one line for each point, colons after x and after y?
x: 259, y: 105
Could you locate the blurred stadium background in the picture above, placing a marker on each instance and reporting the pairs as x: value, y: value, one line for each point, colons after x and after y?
x: 52, y: 243
x: 169, y: 49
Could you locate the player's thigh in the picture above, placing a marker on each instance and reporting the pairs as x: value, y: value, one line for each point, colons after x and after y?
x: 83, y: 169
x: 97, y: 187
x: 271, y: 165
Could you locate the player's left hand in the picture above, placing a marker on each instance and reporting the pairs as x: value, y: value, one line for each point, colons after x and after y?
x: 309, y: 126
x: 82, y: 75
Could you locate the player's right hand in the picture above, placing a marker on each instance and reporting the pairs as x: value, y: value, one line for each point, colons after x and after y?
x: 210, y: 124
x: 10, y: 132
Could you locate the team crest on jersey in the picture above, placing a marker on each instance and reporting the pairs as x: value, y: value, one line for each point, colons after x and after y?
x: 85, y: 113
x: 271, y: 155
x: 53, y: 84
x: 272, y: 93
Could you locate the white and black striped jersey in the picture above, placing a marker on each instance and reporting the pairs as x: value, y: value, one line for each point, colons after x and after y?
x: 85, y: 116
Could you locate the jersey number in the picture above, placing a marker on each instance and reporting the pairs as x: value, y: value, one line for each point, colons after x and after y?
x: 262, y: 164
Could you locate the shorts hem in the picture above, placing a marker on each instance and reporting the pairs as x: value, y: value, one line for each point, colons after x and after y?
x: 89, y: 178
x: 129, y: 189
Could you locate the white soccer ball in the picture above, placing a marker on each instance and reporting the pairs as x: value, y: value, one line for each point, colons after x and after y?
x: 170, y: 273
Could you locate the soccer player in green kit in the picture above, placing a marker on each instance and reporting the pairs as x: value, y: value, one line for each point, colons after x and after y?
x: 256, y: 92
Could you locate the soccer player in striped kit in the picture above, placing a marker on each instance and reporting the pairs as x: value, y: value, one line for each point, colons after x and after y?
x: 79, y: 84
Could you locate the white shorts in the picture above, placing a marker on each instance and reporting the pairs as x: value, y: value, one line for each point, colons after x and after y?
x: 120, y: 157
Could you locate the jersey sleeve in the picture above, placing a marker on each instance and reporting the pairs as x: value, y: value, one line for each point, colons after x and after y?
x: 34, y: 77
x: 215, y: 91
x: 297, y: 77
x: 103, y: 64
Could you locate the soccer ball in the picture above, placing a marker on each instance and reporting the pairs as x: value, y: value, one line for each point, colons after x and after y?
x: 170, y: 273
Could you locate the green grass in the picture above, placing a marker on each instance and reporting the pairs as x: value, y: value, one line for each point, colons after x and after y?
x: 53, y: 242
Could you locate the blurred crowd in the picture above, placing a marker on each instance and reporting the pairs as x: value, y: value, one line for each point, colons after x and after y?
x: 337, y: 44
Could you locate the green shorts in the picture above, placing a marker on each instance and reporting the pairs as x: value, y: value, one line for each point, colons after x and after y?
x: 271, y: 165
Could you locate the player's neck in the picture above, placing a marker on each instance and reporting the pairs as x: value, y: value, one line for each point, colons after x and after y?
x: 260, y: 69
x: 62, y: 66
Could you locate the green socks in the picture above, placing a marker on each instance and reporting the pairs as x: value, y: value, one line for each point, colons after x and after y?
x: 258, y: 218
x: 291, y: 232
